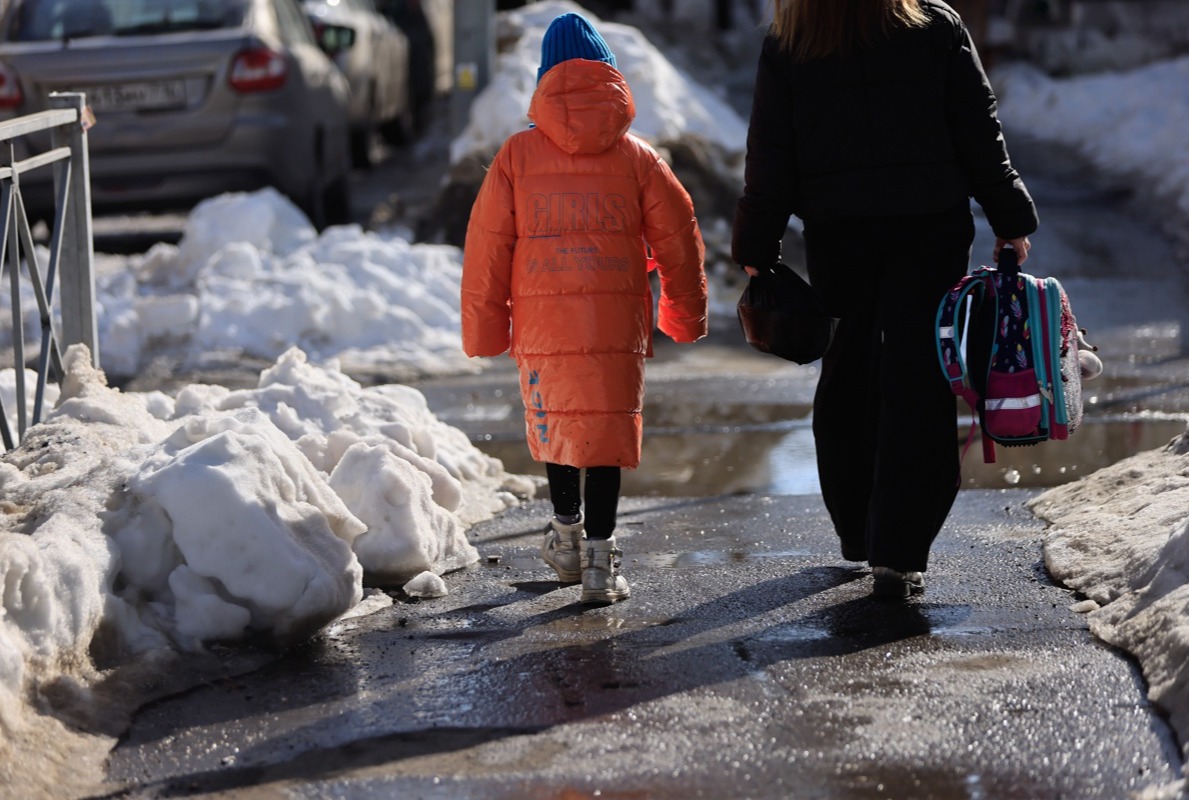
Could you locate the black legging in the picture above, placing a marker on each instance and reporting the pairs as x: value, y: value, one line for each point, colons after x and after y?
x: 884, y: 418
x: 602, y: 496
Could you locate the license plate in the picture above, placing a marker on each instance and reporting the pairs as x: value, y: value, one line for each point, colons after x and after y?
x: 146, y: 96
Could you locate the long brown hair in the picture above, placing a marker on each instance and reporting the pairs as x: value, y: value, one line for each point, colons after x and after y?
x: 812, y: 29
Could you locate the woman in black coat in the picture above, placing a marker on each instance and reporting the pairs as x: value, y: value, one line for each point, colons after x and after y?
x: 873, y: 122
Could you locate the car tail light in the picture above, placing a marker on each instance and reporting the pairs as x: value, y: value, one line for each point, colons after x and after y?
x: 258, y: 70
x: 10, y: 88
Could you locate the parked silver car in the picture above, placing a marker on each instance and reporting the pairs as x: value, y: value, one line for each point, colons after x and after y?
x: 377, y: 68
x: 192, y: 98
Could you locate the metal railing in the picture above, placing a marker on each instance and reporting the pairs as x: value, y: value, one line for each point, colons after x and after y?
x: 71, y: 249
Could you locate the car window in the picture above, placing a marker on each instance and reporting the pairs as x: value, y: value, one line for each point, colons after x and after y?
x: 295, y: 26
x: 41, y: 20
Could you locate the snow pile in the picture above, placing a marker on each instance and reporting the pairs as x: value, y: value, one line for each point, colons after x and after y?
x: 670, y: 105
x: 150, y: 523
x: 1121, y: 538
x: 251, y: 277
x: 1129, y: 125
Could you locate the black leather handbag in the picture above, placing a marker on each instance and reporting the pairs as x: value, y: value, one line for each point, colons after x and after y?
x: 781, y: 314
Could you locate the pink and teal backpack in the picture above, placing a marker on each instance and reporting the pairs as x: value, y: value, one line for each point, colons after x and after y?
x: 1009, y: 345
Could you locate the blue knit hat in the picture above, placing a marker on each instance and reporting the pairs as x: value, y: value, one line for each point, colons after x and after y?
x: 572, y: 36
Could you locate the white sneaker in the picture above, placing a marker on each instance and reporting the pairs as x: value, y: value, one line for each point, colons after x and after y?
x: 562, y: 549
x: 601, y: 581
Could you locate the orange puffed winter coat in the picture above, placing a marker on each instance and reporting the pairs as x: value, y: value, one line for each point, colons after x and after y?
x: 555, y: 269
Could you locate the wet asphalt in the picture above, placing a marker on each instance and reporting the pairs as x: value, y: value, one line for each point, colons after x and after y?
x: 750, y: 662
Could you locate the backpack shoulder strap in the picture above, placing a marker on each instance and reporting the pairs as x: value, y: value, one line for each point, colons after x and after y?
x: 952, y: 322
x: 951, y: 338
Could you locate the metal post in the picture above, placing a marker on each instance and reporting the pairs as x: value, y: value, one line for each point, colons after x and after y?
x: 77, y: 295
x: 474, y: 56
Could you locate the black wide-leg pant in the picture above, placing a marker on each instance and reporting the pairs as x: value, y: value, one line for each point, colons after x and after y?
x: 884, y: 417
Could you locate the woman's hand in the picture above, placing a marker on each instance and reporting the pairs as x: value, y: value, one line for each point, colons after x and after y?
x: 752, y: 271
x: 1021, y: 246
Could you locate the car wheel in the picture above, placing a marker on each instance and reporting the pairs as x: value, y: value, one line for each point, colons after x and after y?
x: 328, y: 203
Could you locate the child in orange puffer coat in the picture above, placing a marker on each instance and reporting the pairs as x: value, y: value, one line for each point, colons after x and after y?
x: 555, y: 271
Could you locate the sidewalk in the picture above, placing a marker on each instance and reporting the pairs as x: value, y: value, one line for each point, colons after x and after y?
x: 750, y: 662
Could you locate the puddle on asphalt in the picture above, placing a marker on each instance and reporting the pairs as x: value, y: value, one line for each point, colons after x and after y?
x: 791, y: 634
x: 598, y: 623
x: 1098, y: 443
x: 708, y: 558
x: 696, y: 558
x: 921, y: 620
x: 777, y: 456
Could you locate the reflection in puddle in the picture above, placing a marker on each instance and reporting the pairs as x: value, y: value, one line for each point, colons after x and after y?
x: 794, y: 464
x: 597, y: 623
x: 965, y: 630
x: 849, y: 621
x: 942, y: 618
x: 697, y: 558
x: 777, y: 456
x: 1098, y: 443
x: 701, y: 463
x: 706, y: 558
x: 794, y: 633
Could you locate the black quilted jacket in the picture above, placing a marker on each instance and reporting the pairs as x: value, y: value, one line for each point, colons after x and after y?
x: 906, y: 127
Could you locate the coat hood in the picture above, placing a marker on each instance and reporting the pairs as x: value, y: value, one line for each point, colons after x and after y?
x: 583, y: 106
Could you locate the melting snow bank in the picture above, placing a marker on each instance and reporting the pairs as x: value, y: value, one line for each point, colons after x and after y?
x: 141, y: 525
x: 1130, y: 125
x: 669, y: 103
x: 1120, y: 537
x: 251, y: 277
